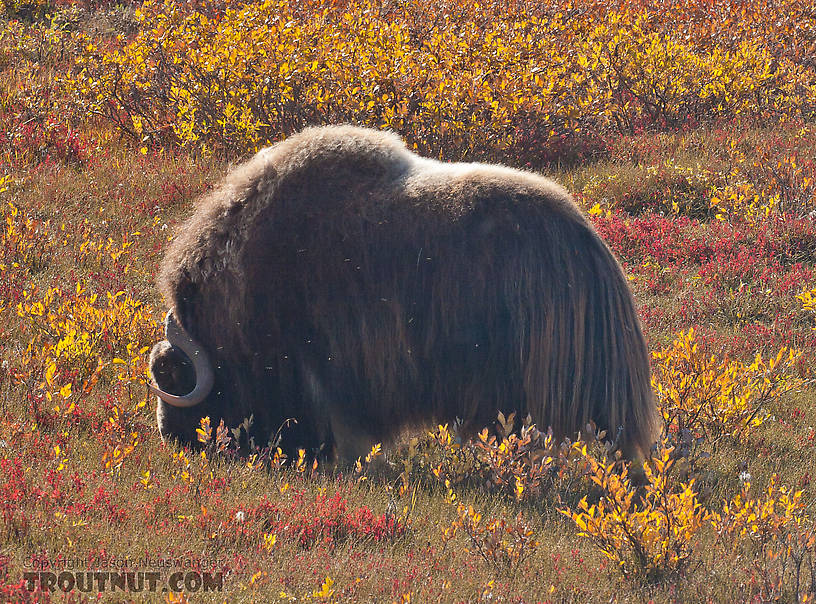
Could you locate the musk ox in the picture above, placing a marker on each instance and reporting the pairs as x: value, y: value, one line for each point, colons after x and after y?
x: 341, y: 280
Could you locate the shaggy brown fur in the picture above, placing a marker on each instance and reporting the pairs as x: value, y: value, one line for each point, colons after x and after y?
x: 341, y: 280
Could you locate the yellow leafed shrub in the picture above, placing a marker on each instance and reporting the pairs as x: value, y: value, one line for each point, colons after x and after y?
x: 77, y: 336
x: 808, y: 300
x: 773, y: 530
x: 743, y: 201
x: 477, y: 80
x: 524, y: 464
x: 704, y: 394
x: 648, y: 534
x: 79, y: 326
x: 503, y: 544
x: 22, y: 243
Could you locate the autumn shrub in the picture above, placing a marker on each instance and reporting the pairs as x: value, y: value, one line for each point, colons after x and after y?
x: 773, y: 534
x: 75, y: 335
x: 78, y: 328
x: 747, y: 286
x: 651, y: 237
x: 76, y: 339
x: 234, y: 76
x: 650, y: 534
x: 808, y: 300
x: 22, y: 241
x: 26, y: 9
x: 668, y: 188
x: 503, y: 544
x: 717, y: 397
x: 39, y: 121
x: 328, y: 520
x: 520, y: 462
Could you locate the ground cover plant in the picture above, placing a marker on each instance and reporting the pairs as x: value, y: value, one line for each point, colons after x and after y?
x: 685, y: 129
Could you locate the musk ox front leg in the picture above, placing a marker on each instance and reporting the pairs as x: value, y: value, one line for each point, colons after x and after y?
x: 341, y: 434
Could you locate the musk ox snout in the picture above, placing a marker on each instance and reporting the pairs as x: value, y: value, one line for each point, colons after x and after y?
x: 172, y: 372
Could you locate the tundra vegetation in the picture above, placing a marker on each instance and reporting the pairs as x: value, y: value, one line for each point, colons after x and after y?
x: 686, y: 131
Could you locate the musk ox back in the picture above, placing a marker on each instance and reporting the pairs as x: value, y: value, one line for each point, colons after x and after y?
x: 341, y: 280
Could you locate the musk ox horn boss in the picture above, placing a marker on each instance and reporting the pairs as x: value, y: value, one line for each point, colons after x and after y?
x: 341, y: 280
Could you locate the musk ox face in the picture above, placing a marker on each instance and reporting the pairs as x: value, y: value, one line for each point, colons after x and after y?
x: 340, y: 280
x: 183, y: 377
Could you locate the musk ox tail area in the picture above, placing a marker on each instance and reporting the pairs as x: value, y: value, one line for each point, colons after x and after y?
x: 339, y: 279
x: 581, y: 346
x: 533, y: 313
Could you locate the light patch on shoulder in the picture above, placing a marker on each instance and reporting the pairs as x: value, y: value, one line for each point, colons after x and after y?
x: 427, y: 165
x: 427, y: 171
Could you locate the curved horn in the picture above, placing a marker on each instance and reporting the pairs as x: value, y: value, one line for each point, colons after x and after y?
x: 178, y: 336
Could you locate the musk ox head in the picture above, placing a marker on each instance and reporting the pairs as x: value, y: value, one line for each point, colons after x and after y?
x: 339, y: 279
